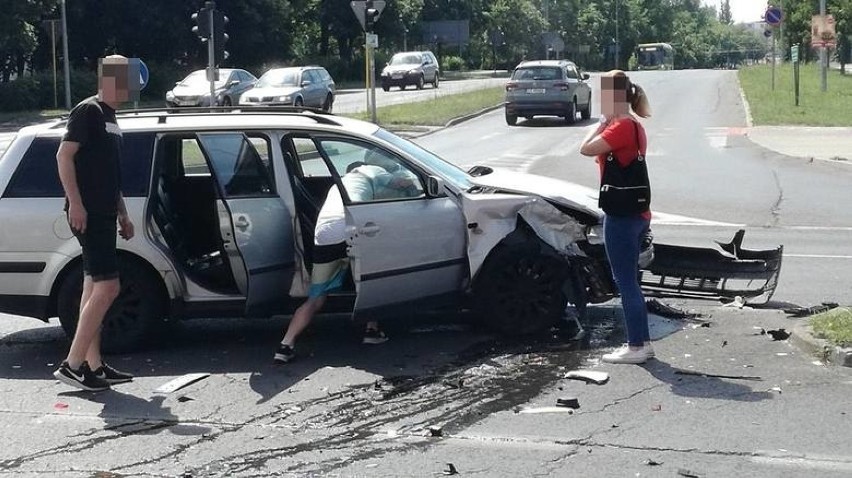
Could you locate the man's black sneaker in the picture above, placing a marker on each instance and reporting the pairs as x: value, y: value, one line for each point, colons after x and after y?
x: 374, y: 336
x: 82, y: 378
x: 284, y: 354
x: 111, y: 375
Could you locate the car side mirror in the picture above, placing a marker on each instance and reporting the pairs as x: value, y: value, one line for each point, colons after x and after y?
x: 234, y: 83
x: 306, y: 83
x: 434, y: 187
x: 586, y: 76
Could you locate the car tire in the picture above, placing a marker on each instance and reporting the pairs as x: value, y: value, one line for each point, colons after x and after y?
x: 137, y: 314
x: 520, y: 289
x: 436, y: 82
x: 586, y: 112
x: 402, y: 86
x: 226, y: 101
x: 420, y: 82
x: 571, y: 114
x: 386, y: 87
x: 298, y: 103
x: 511, y: 119
x: 328, y: 103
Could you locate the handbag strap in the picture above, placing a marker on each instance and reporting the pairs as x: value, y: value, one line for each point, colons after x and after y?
x: 611, y: 156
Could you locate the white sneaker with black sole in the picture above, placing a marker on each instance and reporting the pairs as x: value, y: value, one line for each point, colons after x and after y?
x: 374, y: 337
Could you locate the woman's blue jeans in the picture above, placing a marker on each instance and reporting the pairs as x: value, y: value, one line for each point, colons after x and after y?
x: 623, y: 237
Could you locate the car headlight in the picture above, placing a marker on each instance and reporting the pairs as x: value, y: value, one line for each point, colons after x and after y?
x: 170, y: 96
x: 413, y: 72
x: 284, y: 98
x: 595, y: 234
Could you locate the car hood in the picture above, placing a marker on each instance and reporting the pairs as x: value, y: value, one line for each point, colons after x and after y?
x: 194, y: 90
x: 562, y: 192
x: 272, y: 91
x: 401, y: 68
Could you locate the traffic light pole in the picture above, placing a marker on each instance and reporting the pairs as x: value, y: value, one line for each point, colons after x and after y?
x: 371, y: 79
x: 211, y: 54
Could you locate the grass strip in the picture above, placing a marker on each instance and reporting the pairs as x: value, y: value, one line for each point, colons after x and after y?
x: 816, y: 108
x: 438, y: 110
x: 834, y: 325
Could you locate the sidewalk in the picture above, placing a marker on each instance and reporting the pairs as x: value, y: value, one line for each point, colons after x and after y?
x: 823, y: 143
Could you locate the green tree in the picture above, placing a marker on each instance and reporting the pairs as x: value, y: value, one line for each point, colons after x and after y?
x: 725, y: 16
x: 19, y: 25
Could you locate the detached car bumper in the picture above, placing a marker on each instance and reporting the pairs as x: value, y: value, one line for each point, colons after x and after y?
x: 723, y: 273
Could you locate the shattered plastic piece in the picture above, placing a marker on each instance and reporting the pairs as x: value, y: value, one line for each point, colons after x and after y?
x: 775, y: 389
x: 656, y: 307
x: 450, y: 469
x: 651, y: 462
x: 569, y: 402
x: 184, y: 398
x: 588, y: 376
x: 436, y: 431
x: 688, y: 473
x: 715, y: 375
x: 656, y: 408
x: 454, y: 383
x: 761, y: 330
x: 738, y: 302
x: 60, y: 406
x: 779, y: 334
x: 527, y: 411
x: 808, y: 311
x: 180, y: 382
x: 724, y: 343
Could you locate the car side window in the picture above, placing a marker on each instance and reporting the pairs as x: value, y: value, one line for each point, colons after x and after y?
x: 369, y: 173
x: 309, y: 162
x: 572, y: 73
x: 192, y: 158
x: 239, y: 169
x: 38, y: 176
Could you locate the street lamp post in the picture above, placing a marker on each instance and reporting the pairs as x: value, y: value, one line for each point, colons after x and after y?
x: 616, y: 35
x: 65, y: 61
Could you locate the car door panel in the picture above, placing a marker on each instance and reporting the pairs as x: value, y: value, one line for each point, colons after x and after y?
x: 254, y: 222
x: 404, y: 251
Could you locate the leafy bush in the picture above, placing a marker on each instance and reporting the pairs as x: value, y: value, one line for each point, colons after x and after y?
x: 452, y: 63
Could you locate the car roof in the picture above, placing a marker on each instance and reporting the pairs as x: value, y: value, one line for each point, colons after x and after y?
x: 236, y: 118
x: 544, y: 63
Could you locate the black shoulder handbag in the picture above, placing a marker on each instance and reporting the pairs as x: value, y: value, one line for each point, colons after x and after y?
x: 625, y: 191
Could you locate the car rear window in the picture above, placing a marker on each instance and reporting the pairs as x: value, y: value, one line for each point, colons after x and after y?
x: 538, y: 73
x: 37, y: 175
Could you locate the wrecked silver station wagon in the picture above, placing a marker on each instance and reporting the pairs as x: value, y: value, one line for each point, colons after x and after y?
x: 225, y: 202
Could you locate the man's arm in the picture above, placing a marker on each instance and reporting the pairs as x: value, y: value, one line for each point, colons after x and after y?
x: 68, y: 177
x: 126, y: 229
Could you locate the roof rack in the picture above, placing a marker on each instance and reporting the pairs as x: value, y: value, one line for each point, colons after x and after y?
x: 316, y: 114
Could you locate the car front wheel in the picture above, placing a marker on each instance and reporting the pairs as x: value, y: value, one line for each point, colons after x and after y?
x: 420, y: 82
x: 435, y: 83
x: 519, y: 289
x: 136, y: 314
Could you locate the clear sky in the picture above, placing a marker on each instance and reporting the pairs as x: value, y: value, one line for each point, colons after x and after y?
x: 744, y: 10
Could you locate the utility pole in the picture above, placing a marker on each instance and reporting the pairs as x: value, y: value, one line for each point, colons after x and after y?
x: 616, y: 35
x: 66, y: 62
x: 823, y: 54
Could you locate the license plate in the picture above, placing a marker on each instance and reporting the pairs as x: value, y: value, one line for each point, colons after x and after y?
x: 536, y: 91
x: 396, y: 76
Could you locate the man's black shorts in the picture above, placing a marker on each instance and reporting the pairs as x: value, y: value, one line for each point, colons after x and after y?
x: 100, y: 259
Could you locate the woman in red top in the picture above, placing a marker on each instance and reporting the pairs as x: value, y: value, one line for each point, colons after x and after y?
x: 620, y: 133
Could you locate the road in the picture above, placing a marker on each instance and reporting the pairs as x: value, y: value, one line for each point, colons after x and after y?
x: 347, y: 410
x: 351, y: 101
x: 704, y: 172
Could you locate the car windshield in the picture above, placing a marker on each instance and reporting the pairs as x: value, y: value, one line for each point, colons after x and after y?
x: 199, y: 78
x: 537, y: 73
x: 449, y: 172
x: 405, y: 59
x: 279, y: 78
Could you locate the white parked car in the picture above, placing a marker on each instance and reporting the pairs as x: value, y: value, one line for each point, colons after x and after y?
x: 225, y: 202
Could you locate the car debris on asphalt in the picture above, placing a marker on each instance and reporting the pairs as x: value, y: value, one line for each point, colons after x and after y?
x: 813, y: 310
x: 716, y: 375
x: 779, y: 334
x: 180, y: 382
x: 588, y: 376
x: 568, y: 402
x: 450, y: 469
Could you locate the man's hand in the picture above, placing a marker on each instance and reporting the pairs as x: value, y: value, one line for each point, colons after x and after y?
x: 125, y: 229
x: 77, y: 217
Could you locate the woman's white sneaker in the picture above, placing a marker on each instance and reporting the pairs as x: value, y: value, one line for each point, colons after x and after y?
x: 626, y: 354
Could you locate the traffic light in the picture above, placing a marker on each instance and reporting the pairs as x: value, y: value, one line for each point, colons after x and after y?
x: 371, y: 16
x: 219, y: 36
x: 202, y: 23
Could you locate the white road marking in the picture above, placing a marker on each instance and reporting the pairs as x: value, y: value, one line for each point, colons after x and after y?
x: 818, y: 256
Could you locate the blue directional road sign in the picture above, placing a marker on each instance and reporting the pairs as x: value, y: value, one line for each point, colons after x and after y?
x: 773, y: 16
x: 143, y: 74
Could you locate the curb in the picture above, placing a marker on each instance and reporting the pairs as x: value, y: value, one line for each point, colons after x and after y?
x: 803, y: 338
x: 749, y: 122
x: 481, y: 112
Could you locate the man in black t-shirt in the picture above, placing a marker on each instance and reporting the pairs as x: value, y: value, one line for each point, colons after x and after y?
x: 90, y: 170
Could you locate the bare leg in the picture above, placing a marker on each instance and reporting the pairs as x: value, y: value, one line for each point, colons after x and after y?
x: 92, y: 314
x: 302, y: 318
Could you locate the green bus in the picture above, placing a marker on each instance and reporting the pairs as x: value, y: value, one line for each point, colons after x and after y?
x: 654, y: 56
